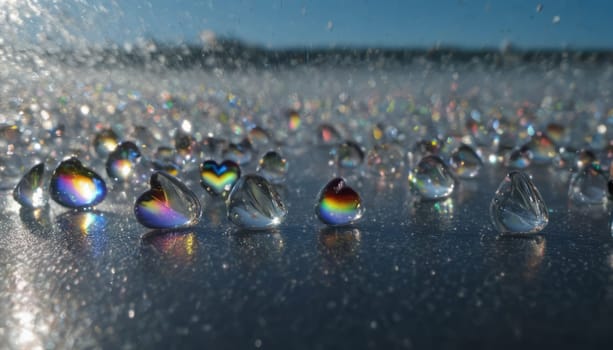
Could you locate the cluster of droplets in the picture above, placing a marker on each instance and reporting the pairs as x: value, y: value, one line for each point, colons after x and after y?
x: 434, y: 141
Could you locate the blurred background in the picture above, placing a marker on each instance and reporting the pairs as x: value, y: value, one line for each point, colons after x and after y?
x: 473, y: 24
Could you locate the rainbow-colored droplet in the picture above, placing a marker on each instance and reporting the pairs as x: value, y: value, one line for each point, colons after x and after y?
x: 219, y: 179
x: 168, y: 204
x: 75, y: 186
x: 338, y: 204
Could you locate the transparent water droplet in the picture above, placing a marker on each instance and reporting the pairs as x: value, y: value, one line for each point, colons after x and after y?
x: 465, y: 162
x: 385, y: 160
x: 259, y: 138
x: 519, y: 158
x: 294, y: 121
x: 166, y: 159
x: 167, y: 204
x: 431, y: 179
x: 338, y: 204
x: 542, y: 148
x: 121, y: 163
x: 105, y: 142
x: 273, y: 167
x: 254, y: 204
x: 218, y: 179
x: 517, y: 206
x: 327, y: 135
x: 75, y: 186
x: 30, y: 191
x: 589, y: 185
x: 185, y: 144
x: 241, y: 153
x: 348, y: 155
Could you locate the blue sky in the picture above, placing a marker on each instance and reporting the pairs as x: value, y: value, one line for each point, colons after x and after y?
x: 393, y: 23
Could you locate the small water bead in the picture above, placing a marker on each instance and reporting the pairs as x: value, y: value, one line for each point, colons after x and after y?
x: 105, y: 142
x: 385, y: 133
x: 465, y: 162
x: 556, y: 132
x: 75, y: 186
x: 385, y: 160
x: 273, y: 167
x: 338, y: 204
x: 165, y: 159
x: 185, y: 144
x: 254, y: 204
x: 218, y: 179
x: 168, y: 204
x: 259, y: 138
x: 589, y: 185
x: 327, y: 135
x: 431, y: 179
x: 519, y: 158
x: 121, y: 163
x: 517, y: 206
x: 213, y: 147
x: 543, y: 149
x: 294, y: 121
x: 241, y: 153
x: 585, y: 157
x: 30, y: 191
x: 348, y: 155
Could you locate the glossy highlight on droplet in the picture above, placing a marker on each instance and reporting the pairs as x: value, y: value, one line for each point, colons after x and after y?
x: 431, y: 179
x: 168, y: 204
x: 338, y: 204
x: 218, y: 179
x: 30, y: 191
x: 121, y: 163
x: 517, y: 206
x: 254, y: 204
x: 273, y: 166
x: 75, y: 186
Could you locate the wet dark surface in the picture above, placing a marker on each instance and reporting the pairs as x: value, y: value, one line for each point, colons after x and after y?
x: 410, y: 274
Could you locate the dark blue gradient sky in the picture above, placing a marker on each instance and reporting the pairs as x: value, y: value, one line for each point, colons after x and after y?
x: 393, y: 23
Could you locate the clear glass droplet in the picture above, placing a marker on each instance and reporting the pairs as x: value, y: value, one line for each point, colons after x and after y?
x: 167, y: 204
x: 327, y: 135
x: 519, y: 158
x: 543, y: 149
x: 273, y: 167
x: 589, y: 185
x: 121, y: 163
x: 517, y: 206
x: 348, y: 155
x: 259, y: 138
x: 465, y: 162
x: 105, y: 142
x: 30, y: 191
x: 254, y: 204
x: 431, y: 178
x: 240, y: 153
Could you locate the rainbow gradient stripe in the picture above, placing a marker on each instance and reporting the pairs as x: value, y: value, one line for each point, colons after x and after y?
x: 219, y: 179
x: 168, y: 204
x: 75, y: 186
x: 338, y: 204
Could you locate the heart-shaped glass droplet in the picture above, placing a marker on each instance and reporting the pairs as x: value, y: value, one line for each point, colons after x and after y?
x: 465, y: 162
x: 338, y: 204
x: 254, y: 204
x: 30, y: 191
x: 168, y: 204
x: 218, y: 179
x: 517, y: 206
x: 75, y: 186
